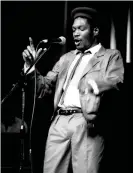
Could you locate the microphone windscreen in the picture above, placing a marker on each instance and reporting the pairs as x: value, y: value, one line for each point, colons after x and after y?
x: 63, y: 40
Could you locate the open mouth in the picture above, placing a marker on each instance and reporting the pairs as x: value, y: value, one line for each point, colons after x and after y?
x: 77, y: 42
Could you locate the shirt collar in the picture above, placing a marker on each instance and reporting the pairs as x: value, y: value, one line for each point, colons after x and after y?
x: 93, y: 49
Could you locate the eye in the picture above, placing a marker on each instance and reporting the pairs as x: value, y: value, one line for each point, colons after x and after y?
x: 82, y: 28
x: 73, y: 29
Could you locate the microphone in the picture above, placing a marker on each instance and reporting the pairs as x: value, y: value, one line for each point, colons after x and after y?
x: 61, y: 40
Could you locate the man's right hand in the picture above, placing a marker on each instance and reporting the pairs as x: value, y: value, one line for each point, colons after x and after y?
x: 30, y: 54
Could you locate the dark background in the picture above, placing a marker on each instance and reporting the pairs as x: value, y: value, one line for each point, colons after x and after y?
x: 41, y: 20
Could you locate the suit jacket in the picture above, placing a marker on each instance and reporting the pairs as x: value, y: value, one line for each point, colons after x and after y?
x: 105, y: 68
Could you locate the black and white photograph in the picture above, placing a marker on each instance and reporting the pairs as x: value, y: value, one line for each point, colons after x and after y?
x: 66, y: 82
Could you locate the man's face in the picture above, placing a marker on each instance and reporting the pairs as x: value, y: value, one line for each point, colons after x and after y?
x: 82, y: 33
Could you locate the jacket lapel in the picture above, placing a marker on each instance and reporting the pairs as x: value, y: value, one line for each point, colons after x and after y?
x: 67, y: 66
x: 94, y: 61
x: 62, y: 78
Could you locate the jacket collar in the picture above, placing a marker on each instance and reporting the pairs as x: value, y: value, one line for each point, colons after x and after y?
x: 94, y: 61
x: 101, y: 52
x: 96, y: 49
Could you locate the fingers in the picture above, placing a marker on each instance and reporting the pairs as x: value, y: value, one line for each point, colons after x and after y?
x: 26, y: 57
x: 38, y: 52
x: 30, y: 54
x: 32, y: 48
x: 27, y: 52
x: 86, y: 91
x: 31, y: 44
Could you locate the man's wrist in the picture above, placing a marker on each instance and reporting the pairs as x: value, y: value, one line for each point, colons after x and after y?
x: 94, y: 86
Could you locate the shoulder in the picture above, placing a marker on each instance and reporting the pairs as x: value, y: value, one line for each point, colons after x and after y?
x: 107, y: 52
x: 112, y: 54
x: 113, y: 51
x: 67, y: 55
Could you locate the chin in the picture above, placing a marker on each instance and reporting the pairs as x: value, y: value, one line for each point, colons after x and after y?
x: 79, y: 47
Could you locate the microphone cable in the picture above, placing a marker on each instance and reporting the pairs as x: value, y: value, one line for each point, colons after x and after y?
x: 33, y: 109
x: 31, y: 123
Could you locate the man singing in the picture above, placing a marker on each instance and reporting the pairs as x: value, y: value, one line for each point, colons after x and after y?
x: 81, y: 78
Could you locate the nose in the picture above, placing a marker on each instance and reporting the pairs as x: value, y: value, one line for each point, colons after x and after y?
x: 76, y: 33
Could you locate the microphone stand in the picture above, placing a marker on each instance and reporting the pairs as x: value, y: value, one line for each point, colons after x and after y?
x: 22, y: 132
x: 22, y: 83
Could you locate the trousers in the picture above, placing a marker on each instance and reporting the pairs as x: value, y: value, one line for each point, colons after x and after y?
x: 69, y: 141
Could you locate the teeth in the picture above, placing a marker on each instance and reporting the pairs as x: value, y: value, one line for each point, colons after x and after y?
x: 77, y: 42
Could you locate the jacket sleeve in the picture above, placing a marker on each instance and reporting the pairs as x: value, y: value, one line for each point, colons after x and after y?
x: 113, y: 73
x: 46, y: 84
x: 112, y: 77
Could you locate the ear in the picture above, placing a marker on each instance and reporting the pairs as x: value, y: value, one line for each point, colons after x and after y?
x: 96, y: 31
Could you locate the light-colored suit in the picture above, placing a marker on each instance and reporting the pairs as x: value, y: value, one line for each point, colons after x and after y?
x: 106, y: 68
x: 69, y: 136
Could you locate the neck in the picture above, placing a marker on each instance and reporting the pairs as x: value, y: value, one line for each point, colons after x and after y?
x: 92, y: 45
x: 95, y: 42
